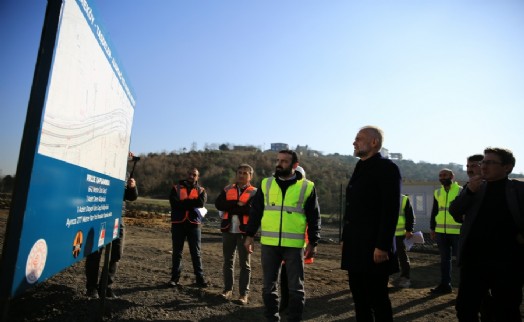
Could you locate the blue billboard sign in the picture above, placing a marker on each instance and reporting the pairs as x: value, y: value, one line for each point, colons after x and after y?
x: 71, y: 171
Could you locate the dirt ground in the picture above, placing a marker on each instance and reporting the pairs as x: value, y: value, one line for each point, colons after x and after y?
x: 144, y: 296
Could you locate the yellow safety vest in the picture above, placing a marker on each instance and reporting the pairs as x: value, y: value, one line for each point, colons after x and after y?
x: 445, y: 222
x: 401, y: 223
x: 284, y: 220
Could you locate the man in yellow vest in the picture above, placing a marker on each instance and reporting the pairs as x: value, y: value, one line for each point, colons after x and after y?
x: 404, y: 230
x: 444, y: 229
x: 235, y: 202
x: 284, y: 205
x: 284, y: 292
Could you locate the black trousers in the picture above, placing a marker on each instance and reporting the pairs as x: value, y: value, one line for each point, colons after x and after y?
x: 93, y: 262
x: 370, y: 294
x: 505, y: 282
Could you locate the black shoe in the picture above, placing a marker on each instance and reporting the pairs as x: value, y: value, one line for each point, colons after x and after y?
x: 441, y: 289
x: 173, y: 283
x: 110, y: 294
x: 92, y: 293
x: 201, y: 283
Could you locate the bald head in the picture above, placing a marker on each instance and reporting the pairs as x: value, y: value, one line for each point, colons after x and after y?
x: 368, y: 142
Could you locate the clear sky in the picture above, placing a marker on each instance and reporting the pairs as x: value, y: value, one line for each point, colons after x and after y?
x: 443, y: 78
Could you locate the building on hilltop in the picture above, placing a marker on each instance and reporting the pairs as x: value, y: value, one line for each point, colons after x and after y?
x: 384, y: 152
x: 395, y: 156
x: 279, y: 146
x: 304, y: 150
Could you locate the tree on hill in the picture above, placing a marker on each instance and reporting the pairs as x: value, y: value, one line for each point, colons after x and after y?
x: 157, y: 172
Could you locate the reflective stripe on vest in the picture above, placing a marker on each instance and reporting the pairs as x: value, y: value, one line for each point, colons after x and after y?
x: 444, y: 221
x: 401, y: 223
x: 180, y: 217
x: 284, y: 220
x: 232, y: 193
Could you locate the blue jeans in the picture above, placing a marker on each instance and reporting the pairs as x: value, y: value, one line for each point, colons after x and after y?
x: 230, y: 244
x: 447, y: 246
x: 179, y: 233
x: 272, y: 257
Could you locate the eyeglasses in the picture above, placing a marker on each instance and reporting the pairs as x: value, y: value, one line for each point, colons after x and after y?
x: 489, y: 162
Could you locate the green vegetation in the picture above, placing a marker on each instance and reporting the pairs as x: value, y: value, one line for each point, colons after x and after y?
x: 156, y: 173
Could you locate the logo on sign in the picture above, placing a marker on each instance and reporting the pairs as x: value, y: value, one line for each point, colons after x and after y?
x: 36, y: 261
x: 77, y: 243
x: 115, y: 229
x: 102, y: 235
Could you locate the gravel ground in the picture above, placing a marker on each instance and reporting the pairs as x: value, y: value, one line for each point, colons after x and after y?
x: 144, y: 296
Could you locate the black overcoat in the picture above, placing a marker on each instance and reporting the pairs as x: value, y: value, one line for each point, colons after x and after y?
x: 372, y: 210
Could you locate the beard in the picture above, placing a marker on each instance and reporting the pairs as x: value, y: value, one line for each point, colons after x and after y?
x: 283, y: 172
x: 360, y: 153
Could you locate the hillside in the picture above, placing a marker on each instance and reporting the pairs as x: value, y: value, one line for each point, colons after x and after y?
x: 157, y: 172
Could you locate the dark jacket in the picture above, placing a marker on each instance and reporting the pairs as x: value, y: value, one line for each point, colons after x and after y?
x: 130, y: 194
x: 311, y: 209
x: 467, y: 206
x: 372, y: 209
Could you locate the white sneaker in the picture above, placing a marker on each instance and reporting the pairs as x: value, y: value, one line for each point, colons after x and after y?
x: 403, y: 282
x: 243, y: 299
x: 227, y: 295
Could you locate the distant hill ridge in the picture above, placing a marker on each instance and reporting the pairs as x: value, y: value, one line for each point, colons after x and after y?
x: 157, y: 172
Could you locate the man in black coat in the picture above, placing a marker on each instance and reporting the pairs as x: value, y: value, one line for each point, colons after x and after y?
x: 92, y: 266
x: 491, y: 248
x: 372, y: 210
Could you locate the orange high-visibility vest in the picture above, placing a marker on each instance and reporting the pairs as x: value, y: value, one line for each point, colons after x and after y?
x: 179, y: 216
x: 233, y: 193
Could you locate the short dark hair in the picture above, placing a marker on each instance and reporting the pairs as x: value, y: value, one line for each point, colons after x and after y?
x: 505, y: 155
x: 294, y: 156
x: 475, y: 158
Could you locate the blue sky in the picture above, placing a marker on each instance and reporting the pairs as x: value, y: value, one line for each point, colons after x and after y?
x: 443, y: 78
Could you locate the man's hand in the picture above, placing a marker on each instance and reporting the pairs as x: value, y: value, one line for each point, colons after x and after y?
x: 409, y: 234
x: 311, y: 251
x: 380, y: 256
x: 131, y: 183
x: 249, y: 244
x: 475, y: 183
